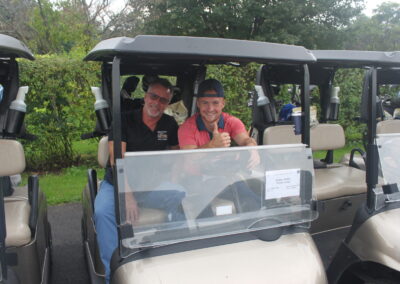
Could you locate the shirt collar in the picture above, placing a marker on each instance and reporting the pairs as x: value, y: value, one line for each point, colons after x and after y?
x: 201, y: 126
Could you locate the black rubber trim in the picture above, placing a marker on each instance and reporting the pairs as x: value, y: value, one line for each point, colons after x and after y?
x: 390, y: 188
x: 363, y: 215
x: 33, y: 193
x: 117, y: 261
x: 343, y: 259
x: 3, y: 259
x: 92, y: 184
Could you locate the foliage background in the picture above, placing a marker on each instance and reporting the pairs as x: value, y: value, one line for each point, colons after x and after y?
x: 60, y: 108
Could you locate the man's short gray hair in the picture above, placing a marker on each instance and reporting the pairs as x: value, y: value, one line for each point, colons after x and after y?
x: 163, y: 82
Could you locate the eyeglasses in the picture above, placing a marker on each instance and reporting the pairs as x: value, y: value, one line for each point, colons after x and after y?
x: 155, y: 97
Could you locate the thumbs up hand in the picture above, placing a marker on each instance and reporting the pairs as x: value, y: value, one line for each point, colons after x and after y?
x: 220, y: 139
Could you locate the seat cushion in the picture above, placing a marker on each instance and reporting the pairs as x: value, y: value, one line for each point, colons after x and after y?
x: 147, y: 216
x: 150, y: 216
x: 17, y: 211
x: 339, y: 181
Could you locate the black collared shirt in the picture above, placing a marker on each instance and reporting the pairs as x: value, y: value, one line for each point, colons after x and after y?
x: 139, y: 137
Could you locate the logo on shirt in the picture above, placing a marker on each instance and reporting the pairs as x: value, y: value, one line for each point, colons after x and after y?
x: 162, y: 135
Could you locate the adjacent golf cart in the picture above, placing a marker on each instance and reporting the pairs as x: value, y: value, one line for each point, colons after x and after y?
x: 221, y: 240
x: 340, y: 188
x: 25, y: 234
x: 370, y: 251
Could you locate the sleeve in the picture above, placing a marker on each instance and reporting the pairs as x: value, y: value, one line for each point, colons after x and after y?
x: 236, y: 126
x: 173, y: 133
x: 186, y: 135
x: 123, y: 129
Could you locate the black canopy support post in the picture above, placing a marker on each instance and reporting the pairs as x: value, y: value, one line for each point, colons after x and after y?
x: 105, y: 82
x: 325, y: 97
x: 372, y: 149
x: 305, y: 107
x: 116, y: 108
x: 3, y: 233
x: 116, y: 128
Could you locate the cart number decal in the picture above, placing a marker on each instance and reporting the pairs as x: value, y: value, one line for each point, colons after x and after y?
x: 282, y: 183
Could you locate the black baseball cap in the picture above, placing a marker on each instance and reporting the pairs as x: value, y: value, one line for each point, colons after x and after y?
x: 210, y: 84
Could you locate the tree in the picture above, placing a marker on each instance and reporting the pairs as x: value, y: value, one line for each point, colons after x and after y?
x: 312, y: 23
x: 379, y: 32
x: 14, y: 18
x: 62, y: 26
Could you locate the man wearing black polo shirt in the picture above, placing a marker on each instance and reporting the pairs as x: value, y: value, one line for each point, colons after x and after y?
x: 147, y: 129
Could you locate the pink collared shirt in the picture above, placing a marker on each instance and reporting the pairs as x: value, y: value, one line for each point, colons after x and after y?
x: 189, y: 133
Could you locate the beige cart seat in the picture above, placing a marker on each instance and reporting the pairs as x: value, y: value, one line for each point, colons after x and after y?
x: 336, y: 180
x: 388, y: 126
x: 17, y: 208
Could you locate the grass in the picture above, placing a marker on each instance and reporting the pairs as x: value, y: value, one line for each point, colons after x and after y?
x: 337, y: 154
x: 85, y: 147
x: 86, y: 151
x: 67, y: 185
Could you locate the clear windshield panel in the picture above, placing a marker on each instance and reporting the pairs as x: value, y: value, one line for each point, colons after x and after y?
x: 174, y: 196
x: 389, y: 156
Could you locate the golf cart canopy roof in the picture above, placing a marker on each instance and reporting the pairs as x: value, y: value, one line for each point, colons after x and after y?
x: 11, y: 47
x: 329, y: 60
x: 389, y: 76
x: 196, y: 50
x: 356, y: 58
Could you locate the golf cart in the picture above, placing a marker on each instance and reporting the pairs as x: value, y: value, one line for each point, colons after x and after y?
x: 222, y: 239
x: 369, y: 252
x: 25, y: 234
x: 340, y: 188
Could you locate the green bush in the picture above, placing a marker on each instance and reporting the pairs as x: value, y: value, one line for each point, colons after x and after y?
x: 350, y: 82
x: 60, y: 108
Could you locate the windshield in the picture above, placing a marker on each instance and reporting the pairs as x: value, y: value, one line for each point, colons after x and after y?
x: 389, y: 156
x: 194, y: 194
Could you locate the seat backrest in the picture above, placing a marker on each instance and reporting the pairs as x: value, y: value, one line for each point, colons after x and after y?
x: 388, y: 126
x: 322, y: 136
x: 102, y: 152
x: 12, y: 157
x: 280, y: 134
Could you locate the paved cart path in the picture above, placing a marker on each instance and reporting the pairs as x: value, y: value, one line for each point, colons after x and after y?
x: 68, y: 261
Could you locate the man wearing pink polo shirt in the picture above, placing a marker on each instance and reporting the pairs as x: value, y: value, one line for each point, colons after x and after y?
x: 212, y: 128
